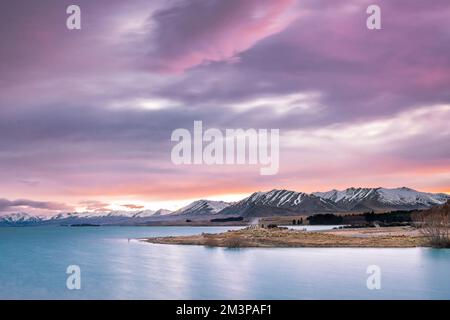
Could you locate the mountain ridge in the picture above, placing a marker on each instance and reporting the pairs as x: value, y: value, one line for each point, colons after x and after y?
x: 202, y: 207
x: 259, y: 204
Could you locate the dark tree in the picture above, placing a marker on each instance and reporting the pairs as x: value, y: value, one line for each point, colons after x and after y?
x: 325, y: 219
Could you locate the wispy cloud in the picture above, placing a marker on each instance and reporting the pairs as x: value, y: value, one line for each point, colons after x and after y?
x: 197, y: 32
x: 88, y: 115
x: 24, y: 204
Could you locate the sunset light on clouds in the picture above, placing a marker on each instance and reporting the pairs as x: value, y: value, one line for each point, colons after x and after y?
x: 86, y: 117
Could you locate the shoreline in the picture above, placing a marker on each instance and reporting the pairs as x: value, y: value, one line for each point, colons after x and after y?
x: 384, y: 237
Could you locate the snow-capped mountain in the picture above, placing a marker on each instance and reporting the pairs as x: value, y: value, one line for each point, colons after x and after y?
x: 162, y: 212
x: 69, y: 218
x: 259, y: 204
x: 94, y: 215
x: 286, y: 202
x: 353, y: 199
x: 202, y: 207
x: 97, y: 217
x: 144, y: 213
x: 20, y: 218
x: 280, y: 202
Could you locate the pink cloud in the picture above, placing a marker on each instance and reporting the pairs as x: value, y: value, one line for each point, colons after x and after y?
x: 59, y: 140
x: 200, y: 32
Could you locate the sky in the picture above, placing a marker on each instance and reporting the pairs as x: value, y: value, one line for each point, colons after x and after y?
x: 86, y: 115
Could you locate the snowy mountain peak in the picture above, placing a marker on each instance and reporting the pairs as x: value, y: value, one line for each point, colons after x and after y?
x: 202, y: 207
x: 405, y: 195
x: 162, y: 212
x: 19, y: 218
x: 270, y: 203
x: 143, y: 213
x: 383, y: 198
x: 276, y: 197
x: 277, y: 202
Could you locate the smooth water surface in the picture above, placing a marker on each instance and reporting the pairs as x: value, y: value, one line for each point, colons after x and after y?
x: 33, y: 262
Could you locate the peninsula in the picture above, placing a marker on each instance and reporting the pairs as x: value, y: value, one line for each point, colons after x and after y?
x: 383, y: 237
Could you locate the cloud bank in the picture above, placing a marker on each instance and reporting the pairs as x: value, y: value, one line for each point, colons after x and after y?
x: 87, y: 116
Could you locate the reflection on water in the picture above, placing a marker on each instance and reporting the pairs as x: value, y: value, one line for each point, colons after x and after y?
x: 33, y: 263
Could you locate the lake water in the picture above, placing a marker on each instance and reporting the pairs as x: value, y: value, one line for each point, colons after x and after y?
x: 33, y: 264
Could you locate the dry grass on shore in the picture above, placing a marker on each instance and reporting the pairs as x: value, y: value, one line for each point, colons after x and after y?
x: 400, y: 237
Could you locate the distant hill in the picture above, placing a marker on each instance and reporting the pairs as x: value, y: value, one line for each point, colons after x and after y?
x: 259, y: 204
x: 202, y: 207
x: 383, y: 199
x: 286, y: 202
x: 280, y: 202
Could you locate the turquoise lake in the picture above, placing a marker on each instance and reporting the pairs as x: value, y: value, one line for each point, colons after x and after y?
x: 33, y: 262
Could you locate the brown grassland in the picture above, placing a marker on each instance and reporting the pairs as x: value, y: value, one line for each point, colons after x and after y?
x: 392, y: 237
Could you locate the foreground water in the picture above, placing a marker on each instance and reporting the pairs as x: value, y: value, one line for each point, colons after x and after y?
x: 33, y: 264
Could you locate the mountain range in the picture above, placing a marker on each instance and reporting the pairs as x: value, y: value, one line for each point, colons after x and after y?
x: 259, y: 204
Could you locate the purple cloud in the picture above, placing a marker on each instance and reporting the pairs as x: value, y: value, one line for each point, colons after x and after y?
x: 196, y: 32
x: 71, y: 115
x: 7, y: 205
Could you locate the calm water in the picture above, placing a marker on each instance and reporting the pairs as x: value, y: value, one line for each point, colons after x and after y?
x: 33, y: 262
